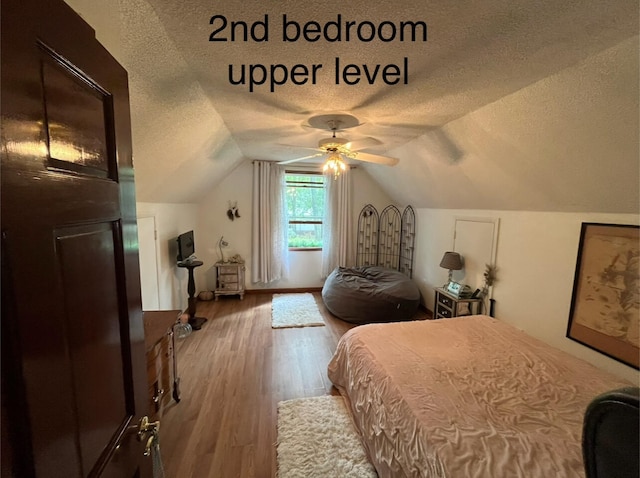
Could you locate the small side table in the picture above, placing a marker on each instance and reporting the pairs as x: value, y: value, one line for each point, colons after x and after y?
x: 195, y: 322
x: 448, y: 305
x: 229, y: 279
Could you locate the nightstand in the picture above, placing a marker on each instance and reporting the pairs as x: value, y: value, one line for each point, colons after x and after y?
x: 448, y: 305
x: 229, y: 279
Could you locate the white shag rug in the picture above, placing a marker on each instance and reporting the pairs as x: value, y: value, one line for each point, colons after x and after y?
x: 316, y: 439
x: 294, y: 310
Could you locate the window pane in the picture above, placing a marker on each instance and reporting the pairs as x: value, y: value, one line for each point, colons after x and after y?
x: 305, y: 203
x: 305, y: 235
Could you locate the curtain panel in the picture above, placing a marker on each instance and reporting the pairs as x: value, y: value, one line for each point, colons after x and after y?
x: 337, y: 237
x: 269, y: 259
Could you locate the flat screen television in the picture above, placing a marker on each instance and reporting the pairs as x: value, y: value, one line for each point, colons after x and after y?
x: 186, y: 246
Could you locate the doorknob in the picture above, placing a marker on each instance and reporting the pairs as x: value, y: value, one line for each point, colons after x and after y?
x: 148, y: 431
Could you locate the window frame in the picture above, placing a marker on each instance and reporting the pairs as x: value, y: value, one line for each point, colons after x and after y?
x: 290, y: 172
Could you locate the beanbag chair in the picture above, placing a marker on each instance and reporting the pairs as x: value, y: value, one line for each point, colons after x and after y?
x: 368, y: 294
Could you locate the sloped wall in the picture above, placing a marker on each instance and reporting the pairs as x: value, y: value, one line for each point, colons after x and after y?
x: 180, y: 144
x: 568, y: 142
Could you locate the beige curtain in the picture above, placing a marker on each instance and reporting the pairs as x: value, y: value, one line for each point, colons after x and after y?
x: 337, y: 237
x: 269, y: 260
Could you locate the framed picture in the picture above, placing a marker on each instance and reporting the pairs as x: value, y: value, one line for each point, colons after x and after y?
x: 605, y: 306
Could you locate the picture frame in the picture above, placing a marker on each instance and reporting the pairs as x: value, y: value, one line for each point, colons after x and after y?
x: 454, y: 288
x: 605, y: 304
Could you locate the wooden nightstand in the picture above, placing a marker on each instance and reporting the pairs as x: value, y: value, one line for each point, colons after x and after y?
x: 229, y: 279
x: 448, y: 305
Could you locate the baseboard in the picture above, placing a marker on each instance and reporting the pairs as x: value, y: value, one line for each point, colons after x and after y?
x: 283, y: 291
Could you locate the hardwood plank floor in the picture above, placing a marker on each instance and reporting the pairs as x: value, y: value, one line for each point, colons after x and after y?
x: 233, y: 373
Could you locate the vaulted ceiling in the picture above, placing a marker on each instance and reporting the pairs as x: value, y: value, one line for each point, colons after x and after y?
x: 509, y: 104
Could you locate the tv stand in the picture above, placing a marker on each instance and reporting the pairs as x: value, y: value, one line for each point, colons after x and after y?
x: 195, y: 322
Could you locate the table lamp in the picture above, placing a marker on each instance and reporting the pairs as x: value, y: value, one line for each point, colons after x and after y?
x: 451, y: 261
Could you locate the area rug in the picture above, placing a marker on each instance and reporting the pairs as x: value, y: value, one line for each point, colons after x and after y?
x: 294, y: 310
x: 316, y: 439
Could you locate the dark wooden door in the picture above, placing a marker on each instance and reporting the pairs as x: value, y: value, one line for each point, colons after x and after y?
x: 73, y: 365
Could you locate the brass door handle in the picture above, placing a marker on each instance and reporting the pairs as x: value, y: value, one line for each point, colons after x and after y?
x: 145, y: 426
x: 147, y: 448
x: 148, y: 431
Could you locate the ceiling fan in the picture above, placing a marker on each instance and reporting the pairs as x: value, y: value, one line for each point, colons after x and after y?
x: 336, y: 149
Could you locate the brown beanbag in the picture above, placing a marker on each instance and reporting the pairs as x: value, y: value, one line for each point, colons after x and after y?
x: 370, y: 294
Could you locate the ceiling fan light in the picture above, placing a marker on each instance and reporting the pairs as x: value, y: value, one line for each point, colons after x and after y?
x: 337, y: 148
x: 335, y: 165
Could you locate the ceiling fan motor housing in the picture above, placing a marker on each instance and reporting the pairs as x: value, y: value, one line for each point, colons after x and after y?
x: 332, y: 144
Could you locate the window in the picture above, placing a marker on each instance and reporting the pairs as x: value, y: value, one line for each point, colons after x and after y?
x: 305, y: 210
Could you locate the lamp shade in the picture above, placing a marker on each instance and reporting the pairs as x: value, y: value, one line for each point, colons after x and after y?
x: 451, y: 261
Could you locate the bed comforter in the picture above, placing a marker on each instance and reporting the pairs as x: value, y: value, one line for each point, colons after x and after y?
x: 465, y: 397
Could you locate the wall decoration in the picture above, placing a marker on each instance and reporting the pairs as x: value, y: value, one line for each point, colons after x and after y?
x: 605, y: 306
x: 232, y: 211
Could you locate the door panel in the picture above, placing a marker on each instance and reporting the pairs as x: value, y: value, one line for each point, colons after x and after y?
x: 476, y: 240
x: 94, y: 344
x: 70, y: 261
x: 77, y: 114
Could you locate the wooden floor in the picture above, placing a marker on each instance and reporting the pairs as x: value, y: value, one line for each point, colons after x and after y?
x: 233, y: 373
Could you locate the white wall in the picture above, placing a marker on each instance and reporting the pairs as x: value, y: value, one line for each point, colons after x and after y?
x: 213, y: 223
x: 171, y: 220
x: 536, y: 259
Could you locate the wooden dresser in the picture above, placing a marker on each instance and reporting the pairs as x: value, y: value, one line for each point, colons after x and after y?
x: 159, y: 345
x: 229, y: 279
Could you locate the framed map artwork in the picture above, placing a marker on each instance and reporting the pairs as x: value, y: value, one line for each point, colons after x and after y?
x: 605, y: 306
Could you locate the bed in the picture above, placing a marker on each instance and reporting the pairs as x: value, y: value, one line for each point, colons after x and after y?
x: 465, y: 397
x: 368, y: 294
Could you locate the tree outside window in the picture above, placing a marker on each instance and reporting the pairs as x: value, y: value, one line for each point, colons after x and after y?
x: 305, y: 210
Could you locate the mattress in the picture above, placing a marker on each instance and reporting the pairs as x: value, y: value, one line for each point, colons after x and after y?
x: 465, y: 397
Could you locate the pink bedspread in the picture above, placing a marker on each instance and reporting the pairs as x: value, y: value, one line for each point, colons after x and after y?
x: 465, y: 397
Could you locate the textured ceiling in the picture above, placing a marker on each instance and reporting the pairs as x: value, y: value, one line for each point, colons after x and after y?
x: 191, y: 122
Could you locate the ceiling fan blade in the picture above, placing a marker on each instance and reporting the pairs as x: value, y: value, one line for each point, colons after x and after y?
x: 300, y: 159
x: 375, y: 158
x: 364, y: 143
x: 293, y: 146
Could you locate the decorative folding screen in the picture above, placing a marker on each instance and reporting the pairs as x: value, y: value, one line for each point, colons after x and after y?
x: 367, y: 237
x: 407, y: 241
x: 387, y: 239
